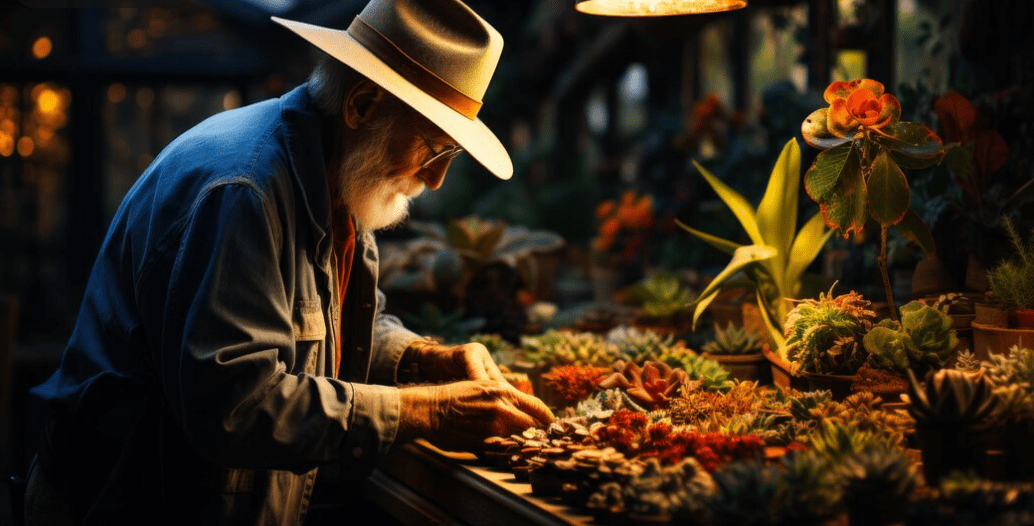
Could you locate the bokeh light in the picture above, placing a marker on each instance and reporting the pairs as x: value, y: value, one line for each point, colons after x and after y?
x: 42, y: 47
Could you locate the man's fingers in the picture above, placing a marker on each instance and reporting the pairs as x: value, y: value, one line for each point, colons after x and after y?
x: 533, y: 407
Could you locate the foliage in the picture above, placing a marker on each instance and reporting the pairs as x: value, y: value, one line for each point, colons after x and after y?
x: 825, y: 335
x: 733, y: 339
x: 862, y: 411
x: 662, y: 295
x: 714, y: 411
x: 573, y: 383
x: 835, y: 442
x: 556, y: 347
x: 922, y: 340
x: 1012, y: 281
x: 951, y: 397
x: 858, y: 175
x: 638, y: 345
x: 624, y: 228
x: 775, y: 261
x: 708, y: 373
x: 882, y: 478
x: 797, y: 490
x: 502, y: 351
x: 1015, y: 368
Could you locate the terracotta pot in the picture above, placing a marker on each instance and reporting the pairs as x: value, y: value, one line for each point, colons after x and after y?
x: 990, y: 315
x: 839, y: 385
x: 1025, y: 318
x: 990, y: 339
x: 744, y: 367
x: 781, y: 376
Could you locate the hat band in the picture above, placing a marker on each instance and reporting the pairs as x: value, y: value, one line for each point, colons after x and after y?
x: 413, y: 71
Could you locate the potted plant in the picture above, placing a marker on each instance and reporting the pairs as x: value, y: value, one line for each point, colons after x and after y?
x: 1012, y: 291
x: 824, y: 340
x: 618, y: 252
x: 663, y: 303
x: 739, y: 352
x: 774, y: 262
x: 921, y: 341
x: 1012, y: 376
x: 952, y: 410
x: 877, y: 485
x: 858, y: 174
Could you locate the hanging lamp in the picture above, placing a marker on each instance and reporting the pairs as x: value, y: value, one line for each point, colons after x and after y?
x: 656, y: 7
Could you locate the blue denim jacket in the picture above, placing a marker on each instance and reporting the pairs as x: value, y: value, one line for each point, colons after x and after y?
x: 204, y: 345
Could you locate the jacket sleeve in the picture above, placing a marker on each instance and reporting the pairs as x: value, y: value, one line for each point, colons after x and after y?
x: 390, y: 340
x: 227, y: 349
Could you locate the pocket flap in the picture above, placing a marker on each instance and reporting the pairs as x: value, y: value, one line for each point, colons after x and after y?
x: 308, y: 321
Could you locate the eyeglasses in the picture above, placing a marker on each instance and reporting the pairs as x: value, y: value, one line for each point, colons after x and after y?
x: 444, y: 155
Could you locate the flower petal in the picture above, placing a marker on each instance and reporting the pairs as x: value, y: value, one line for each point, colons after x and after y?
x: 872, y: 86
x: 838, y: 90
x: 839, y: 121
x: 890, y: 111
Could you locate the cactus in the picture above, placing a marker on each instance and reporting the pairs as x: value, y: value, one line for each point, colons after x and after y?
x: 733, y: 339
x: 563, y: 347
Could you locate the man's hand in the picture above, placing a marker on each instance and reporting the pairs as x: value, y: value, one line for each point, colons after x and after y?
x: 447, y: 363
x: 460, y: 415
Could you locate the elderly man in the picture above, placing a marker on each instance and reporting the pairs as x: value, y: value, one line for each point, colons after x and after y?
x: 231, y: 339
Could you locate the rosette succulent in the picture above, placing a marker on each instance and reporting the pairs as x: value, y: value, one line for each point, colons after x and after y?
x: 650, y: 386
x: 922, y: 340
x: 732, y: 340
x: 951, y: 397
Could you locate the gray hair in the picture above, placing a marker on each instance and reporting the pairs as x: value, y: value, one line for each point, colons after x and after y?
x: 329, y: 84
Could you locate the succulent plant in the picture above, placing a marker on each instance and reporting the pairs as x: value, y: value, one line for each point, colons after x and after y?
x: 638, y: 346
x: 967, y: 361
x: 922, y: 340
x: 710, y: 375
x: 733, y: 339
x: 877, y: 485
x: 797, y: 490
x: 862, y: 411
x: 802, y: 403
x: 1015, y: 368
x: 810, y: 489
x: 573, y: 383
x: 662, y: 295
x: 834, y: 441
x: 825, y: 335
x: 556, y: 347
x: 951, y: 397
x: 1014, y: 406
x: 651, y: 386
x: 1012, y: 281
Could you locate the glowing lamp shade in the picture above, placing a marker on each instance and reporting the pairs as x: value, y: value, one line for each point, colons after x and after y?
x: 656, y: 7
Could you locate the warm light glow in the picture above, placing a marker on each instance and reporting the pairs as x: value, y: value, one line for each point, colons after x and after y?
x: 231, y: 100
x: 6, y: 145
x: 116, y: 92
x: 26, y: 146
x: 48, y: 101
x: 42, y: 47
x: 137, y: 38
x: 656, y: 7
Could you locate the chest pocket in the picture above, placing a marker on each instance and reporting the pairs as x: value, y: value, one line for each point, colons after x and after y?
x: 309, y: 334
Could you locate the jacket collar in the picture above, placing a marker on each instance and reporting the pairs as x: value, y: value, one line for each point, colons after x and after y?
x: 304, y: 140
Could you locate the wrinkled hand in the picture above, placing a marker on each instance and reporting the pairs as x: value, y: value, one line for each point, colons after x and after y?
x: 459, y: 416
x: 446, y: 363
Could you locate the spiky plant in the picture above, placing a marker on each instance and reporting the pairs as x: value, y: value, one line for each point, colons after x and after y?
x: 951, y: 397
x: 638, y: 345
x: 810, y: 488
x: 732, y: 340
x: 708, y: 373
x: 1015, y: 368
x: 1012, y: 281
x: 825, y: 335
x: 564, y: 347
x: 877, y: 485
x: 834, y: 441
x: 802, y: 404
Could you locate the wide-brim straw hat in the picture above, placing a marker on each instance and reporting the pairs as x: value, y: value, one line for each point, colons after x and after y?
x: 437, y: 56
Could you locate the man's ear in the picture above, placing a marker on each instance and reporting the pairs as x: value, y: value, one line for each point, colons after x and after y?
x: 360, y: 102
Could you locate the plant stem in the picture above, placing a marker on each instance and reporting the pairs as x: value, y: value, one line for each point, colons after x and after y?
x: 882, y: 260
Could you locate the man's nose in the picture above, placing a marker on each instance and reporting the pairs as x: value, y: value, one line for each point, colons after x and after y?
x: 434, y: 175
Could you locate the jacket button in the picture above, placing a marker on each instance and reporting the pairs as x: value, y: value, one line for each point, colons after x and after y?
x: 357, y: 452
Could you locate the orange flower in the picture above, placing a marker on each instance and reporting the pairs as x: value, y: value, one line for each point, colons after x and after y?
x: 637, y: 213
x: 860, y: 103
x: 605, y: 209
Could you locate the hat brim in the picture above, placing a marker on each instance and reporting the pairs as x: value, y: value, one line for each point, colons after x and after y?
x: 471, y: 134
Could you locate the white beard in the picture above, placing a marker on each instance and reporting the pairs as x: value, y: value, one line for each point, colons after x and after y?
x: 372, y: 194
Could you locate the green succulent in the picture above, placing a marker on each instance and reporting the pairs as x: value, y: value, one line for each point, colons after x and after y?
x: 502, y: 351
x: 922, y: 340
x: 711, y: 376
x: 952, y: 397
x: 563, y: 347
x: 1012, y: 281
x: 811, y: 491
x: 825, y: 335
x: 1015, y: 368
x: 1014, y: 405
x: 748, y: 494
x: 661, y: 295
x: 802, y: 403
x: 835, y: 442
x: 884, y: 480
x: 967, y: 361
x: 733, y: 339
x: 638, y: 346
x: 862, y: 411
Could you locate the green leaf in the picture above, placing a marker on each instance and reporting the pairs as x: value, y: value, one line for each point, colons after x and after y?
x: 816, y: 134
x: 721, y: 244
x: 827, y: 170
x: 889, y: 193
x: 810, y: 240
x: 845, y: 210
x: 702, y: 303
x: 915, y: 230
x: 742, y: 257
x: 738, y: 204
x: 913, y: 144
x: 959, y: 160
x: 777, y: 213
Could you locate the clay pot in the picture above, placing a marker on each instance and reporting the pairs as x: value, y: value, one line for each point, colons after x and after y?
x: 781, y: 376
x: 1025, y: 318
x: 839, y: 385
x: 991, y: 339
x: 990, y: 315
x: 744, y: 367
